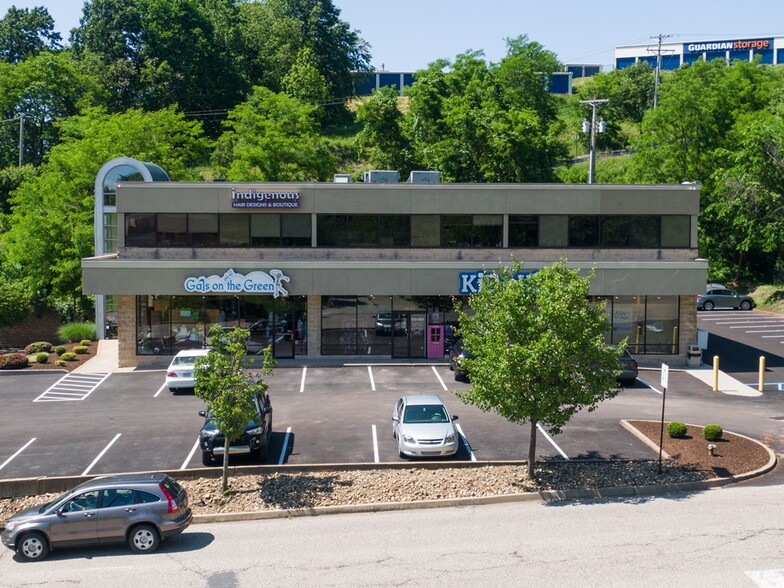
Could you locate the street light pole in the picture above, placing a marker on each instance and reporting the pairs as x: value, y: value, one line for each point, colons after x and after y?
x: 592, y: 159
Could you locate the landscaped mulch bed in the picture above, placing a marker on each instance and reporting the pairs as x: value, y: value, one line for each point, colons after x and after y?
x: 69, y: 366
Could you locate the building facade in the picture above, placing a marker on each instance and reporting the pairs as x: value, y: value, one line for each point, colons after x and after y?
x: 769, y: 50
x: 373, y: 270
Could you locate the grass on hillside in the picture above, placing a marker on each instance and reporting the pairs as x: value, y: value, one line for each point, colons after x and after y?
x: 769, y: 297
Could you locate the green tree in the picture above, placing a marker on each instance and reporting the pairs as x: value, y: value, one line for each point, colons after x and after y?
x: 14, y: 302
x: 381, y: 140
x: 538, y: 351
x: 305, y: 82
x: 50, y: 228
x: 25, y: 32
x: 227, y: 387
x: 272, y: 137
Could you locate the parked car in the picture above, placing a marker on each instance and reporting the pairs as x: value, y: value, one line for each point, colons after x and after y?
x: 255, y: 440
x: 457, y: 355
x: 423, y: 427
x: 139, y: 509
x: 179, y: 374
x: 717, y: 296
x: 387, y: 321
x: 629, y: 369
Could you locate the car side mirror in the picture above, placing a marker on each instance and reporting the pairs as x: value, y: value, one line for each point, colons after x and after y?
x: 454, y: 417
x: 395, y: 419
x: 203, y: 413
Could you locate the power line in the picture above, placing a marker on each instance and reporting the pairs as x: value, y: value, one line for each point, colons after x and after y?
x: 658, y: 52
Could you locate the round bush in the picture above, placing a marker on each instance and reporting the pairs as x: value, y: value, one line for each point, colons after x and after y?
x: 60, y: 349
x: 13, y: 361
x: 37, y: 347
x: 59, y: 363
x: 85, y: 342
x: 712, y: 432
x: 41, y: 357
x: 676, y: 430
x: 68, y: 356
x: 80, y: 349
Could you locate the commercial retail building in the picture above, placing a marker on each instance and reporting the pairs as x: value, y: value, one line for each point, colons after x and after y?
x: 359, y: 270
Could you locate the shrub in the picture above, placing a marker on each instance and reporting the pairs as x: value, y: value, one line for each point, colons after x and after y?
x: 75, y: 332
x: 85, y: 342
x: 68, y: 356
x: 712, y: 432
x: 59, y: 363
x: 13, y: 361
x: 37, y: 347
x: 676, y: 430
x: 60, y: 349
x: 41, y: 357
x: 80, y: 349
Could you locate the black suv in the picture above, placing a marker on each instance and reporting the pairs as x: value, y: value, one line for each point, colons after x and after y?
x: 255, y: 440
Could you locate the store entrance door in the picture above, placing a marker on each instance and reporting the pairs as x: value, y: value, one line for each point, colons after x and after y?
x: 411, y: 341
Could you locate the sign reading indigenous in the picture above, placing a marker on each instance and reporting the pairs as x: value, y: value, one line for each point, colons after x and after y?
x: 256, y: 282
x: 255, y: 199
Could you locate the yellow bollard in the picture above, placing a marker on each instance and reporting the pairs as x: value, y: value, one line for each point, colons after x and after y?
x: 637, y: 342
x: 761, y: 386
x: 675, y: 339
x: 715, y: 373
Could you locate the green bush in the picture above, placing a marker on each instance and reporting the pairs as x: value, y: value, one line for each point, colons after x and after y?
x: 712, y: 432
x: 37, y: 347
x: 60, y: 349
x: 85, y: 342
x: 75, y: 332
x: 677, y: 430
x: 68, y: 356
x: 41, y: 357
x: 80, y: 349
x: 59, y: 363
x: 13, y: 361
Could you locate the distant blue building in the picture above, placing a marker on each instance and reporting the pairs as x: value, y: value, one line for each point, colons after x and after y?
x: 769, y: 50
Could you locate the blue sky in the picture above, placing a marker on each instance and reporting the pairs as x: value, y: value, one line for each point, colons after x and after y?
x: 406, y: 35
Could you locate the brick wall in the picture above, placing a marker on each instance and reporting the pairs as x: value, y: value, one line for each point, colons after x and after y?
x: 33, y: 328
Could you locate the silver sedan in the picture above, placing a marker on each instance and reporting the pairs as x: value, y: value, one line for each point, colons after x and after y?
x: 423, y: 427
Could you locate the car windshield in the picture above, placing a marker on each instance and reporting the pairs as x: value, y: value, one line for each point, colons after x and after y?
x: 425, y: 413
x: 185, y: 360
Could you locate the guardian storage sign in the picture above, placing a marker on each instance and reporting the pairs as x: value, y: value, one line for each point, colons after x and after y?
x: 724, y: 46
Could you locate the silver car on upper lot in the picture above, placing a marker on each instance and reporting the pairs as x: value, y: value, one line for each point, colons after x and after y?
x: 139, y: 509
x: 718, y: 296
x: 423, y: 427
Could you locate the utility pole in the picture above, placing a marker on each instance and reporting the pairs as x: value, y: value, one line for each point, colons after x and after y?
x: 21, y: 137
x: 658, y: 67
x: 593, y: 128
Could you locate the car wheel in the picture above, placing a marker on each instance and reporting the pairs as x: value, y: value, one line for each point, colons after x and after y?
x: 708, y: 305
x: 745, y: 305
x: 144, y: 539
x: 206, y: 458
x: 33, y: 546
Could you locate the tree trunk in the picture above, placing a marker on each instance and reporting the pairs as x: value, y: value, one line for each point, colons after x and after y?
x: 532, y: 450
x: 225, y: 481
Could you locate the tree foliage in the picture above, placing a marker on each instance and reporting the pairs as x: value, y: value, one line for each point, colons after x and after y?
x: 25, y: 32
x: 538, y: 351
x: 227, y: 387
x: 271, y: 138
x: 14, y: 302
x: 381, y: 140
x: 51, y: 221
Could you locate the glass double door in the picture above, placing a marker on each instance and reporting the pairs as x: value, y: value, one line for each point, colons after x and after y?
x: 410, y: 340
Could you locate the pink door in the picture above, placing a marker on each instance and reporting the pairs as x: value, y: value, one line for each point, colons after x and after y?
x: 435, y: 341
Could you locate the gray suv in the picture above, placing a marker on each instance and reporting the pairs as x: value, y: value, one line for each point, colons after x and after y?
x: 139, y: 509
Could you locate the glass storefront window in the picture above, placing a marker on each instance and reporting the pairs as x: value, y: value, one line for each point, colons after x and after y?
x: 394, y: 230
x: 661, y: 324
x: 628, y: 320
x: 172, y: 230
x: 234, y: 230
x: 645, y: 231
x: 675, y: 231
x: 615, y: 231
x: 332, y: 230
x: 110, y: 232
x: 425, y: 230
x: 295, y: 230
x: 488, y: 230
x: 203, y: 230
x: 265, y: 230
x: 338, y: 325
x: 140, y: 230
x: 523, y: 231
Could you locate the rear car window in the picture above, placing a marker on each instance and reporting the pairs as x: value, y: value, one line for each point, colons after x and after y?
x: 172, y: 486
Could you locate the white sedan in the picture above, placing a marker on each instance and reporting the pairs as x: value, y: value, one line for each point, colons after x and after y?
x: 179, y: 374
x: 423, y: 427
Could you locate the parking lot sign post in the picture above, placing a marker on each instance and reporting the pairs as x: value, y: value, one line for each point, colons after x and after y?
x: 665, y: 376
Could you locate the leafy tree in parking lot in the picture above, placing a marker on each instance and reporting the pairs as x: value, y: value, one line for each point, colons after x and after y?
x: 538, y: 352
x: 226, y: 386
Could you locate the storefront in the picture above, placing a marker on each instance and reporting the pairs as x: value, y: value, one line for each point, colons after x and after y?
x: 374, y: 269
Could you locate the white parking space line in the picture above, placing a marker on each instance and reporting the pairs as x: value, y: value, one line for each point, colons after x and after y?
x: 100, y: 455
x: 161, y: 389
x: 375, y: 444
x: 302, y: 381
x: 771, y: 336
x: 765, y: 331
x: 285, y: 446
x: 650, y: 387
x: 372, y: 381
x: 72, y: 387
x: 552, y: 442
x: 465, y: 442
x: 190, y: 455
x: 435, y: 371
x: 20, y: 450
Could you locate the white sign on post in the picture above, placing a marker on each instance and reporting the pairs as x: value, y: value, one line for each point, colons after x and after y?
x: 665, y: 374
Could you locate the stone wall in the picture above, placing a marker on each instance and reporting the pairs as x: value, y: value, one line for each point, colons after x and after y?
x: 33, y: 328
